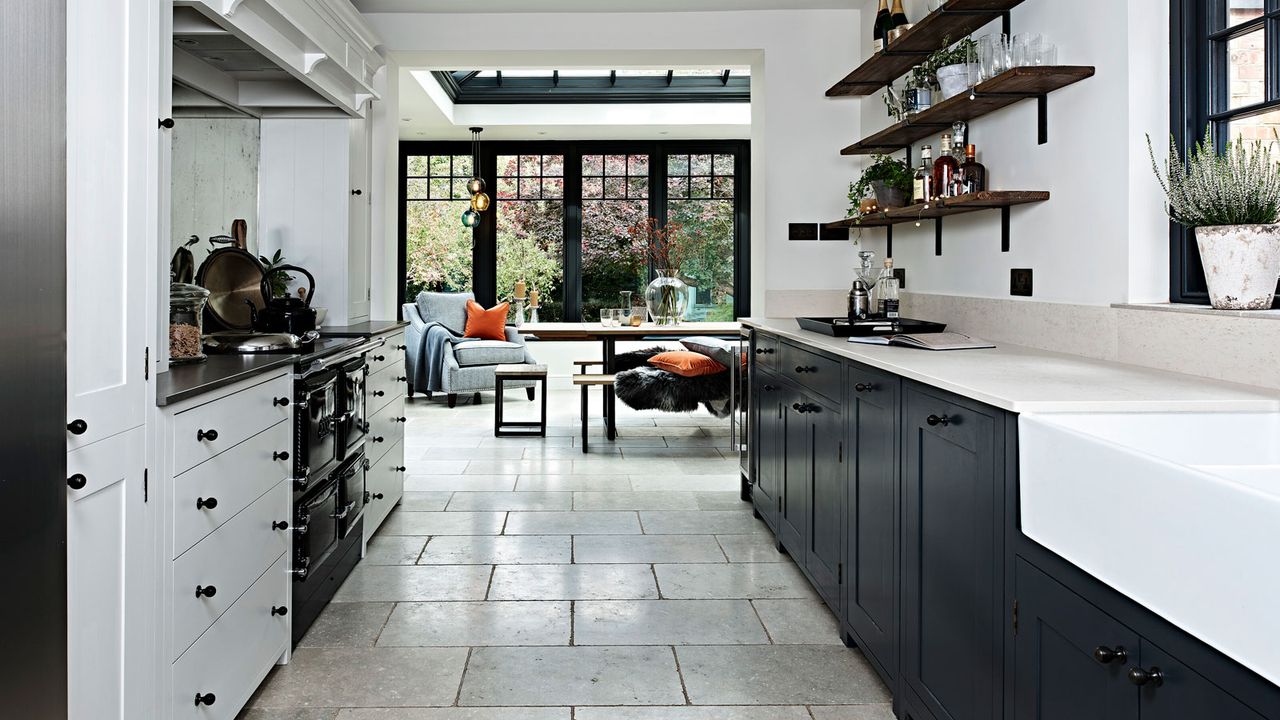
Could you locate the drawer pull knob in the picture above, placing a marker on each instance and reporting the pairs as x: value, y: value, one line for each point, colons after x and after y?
x: 764, y: 351
x: 167, y: 124
x: 375, y: 496
x: 935, y: 420
x: 280, y: 402
x: 864, y: 387
x: 398, y: 468
x: 377, y: 439
x: 1141, y: 677
x: 400, y: 419
x: 206, y: 503
x: 209, y: 435
x: 279, y: 610
x: 379, y: 393
x: 77, y: 427
x: 379, y: 358
x: 77, y: 482
x: 280, y: 525
x: 205, y: 699
x: 402, y: 379
x: 1106, y: 655
x: 206, y: 591
x: 280, y: 455
x: 769, y: 388
x: 402, y: 347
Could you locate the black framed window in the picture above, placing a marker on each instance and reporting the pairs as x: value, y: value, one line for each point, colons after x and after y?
x: 560, y: 217
x: 1226, y: 76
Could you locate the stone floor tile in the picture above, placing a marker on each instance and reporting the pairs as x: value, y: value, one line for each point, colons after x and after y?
x: 667, y: 622
x: 550, y: 441
x: 620, y: 466
x: 799, y: 622
x: 474, y: 453
x: 457, y: 713
x: 701, y: 522
x: 573, y: 582
x: 647, y: 549
x: 288, y: 714
x: 571, y: 676
x: 536, y: 466
x: 634, y: 501
x: 572, y: 523
x: 432, y: 501
x: 498, y: 550
x: 393, y: 550
x: 757, y: 547
x: 732, y: 580
x: 471, y: 501
x: 437, y: 467
x: 778, y: 675
x: 642, y: 480
x: 877, y: 711
x: 570, y: 453
x: 415, y: 483
x: 667, y: 453
x: 443, y: 523
x: 721, y: 500
x: 573, y: 483
x: 448, y: 624
x: 767, y: 712
x: 407, y: 583
x: 364, y: 677
x: 347, y: 625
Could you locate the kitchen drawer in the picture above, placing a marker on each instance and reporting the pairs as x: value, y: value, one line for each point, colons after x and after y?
x: 229, y: 560
x: 232, y: 658
x: 767, y: 348
x: 204, y: 431
x: 389, y: 354
x: 231, y: 481
x: 385, y: 478
x: 384, y: 386
x: 387, y: 424
x: 812, y: 371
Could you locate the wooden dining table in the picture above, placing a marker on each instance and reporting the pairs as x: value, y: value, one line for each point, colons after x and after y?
x: 609, y: 337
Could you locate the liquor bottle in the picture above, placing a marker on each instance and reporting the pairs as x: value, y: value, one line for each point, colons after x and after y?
x: 945, y: 169
x: 973, y: 174
x: 887, y: 291
x: 923, y: 184
x: 882, y: 26
x: 899, y: 16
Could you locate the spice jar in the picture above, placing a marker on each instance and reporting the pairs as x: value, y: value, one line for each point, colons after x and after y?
x: 186, y: 323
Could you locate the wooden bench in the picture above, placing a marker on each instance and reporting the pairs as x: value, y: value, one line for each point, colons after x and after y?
x: 584, y: 366
x: 586, y: 382
x: 537, y: 373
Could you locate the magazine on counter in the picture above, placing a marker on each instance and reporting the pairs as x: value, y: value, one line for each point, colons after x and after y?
x: 927, y: 341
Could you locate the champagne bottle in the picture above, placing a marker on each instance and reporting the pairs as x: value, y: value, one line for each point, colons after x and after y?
x: 899, y: 15
x: 883, y: 24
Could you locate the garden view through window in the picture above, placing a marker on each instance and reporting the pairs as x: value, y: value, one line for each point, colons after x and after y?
x: 561, y: 221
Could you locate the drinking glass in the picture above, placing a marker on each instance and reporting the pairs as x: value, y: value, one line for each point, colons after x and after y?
x: 999, y: 54
x: 986, y: 58
x: 607, y: 317
x: 1026, y: 49
x: 1048, y: 55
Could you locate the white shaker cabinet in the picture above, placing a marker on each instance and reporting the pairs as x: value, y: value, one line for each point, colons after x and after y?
x: 361, y: 197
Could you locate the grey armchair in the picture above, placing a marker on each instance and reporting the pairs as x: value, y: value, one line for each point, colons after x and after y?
x: 466, y: 366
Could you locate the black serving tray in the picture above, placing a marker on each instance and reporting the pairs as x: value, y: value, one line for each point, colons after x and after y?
x: 841, y: 327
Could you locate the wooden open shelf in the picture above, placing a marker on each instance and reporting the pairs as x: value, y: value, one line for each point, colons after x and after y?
x: 955, y: 19
x: 973, y: 202
x: 1001, y: 91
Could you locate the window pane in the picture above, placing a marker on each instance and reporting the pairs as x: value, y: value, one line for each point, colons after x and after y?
x: 592, y: 165
x: 700, y: 187
x: 722, y: 187
x: 1258, y: 127
x: 440, y: 165
x: 553, y: 165
x: 592, y: 187
x: 615, y: 188
x: 1241, y: 11
x: 615, y: 165
x: 678, y: 187
x: 677, y: 164
x: 638, y: 187
x: 530, y: 189
x: 612, y: 261
x: 437, y: 247
x: 416, y: 190
x: 530, y: 166
x: 506, y: 188
x: 1246, y: 69
x: 638, y: 166
x: 508, y: 166
x: 724, y: 165
x: 553, y: 188
x: 700, y: 165
x: 440, y: 189
x: 460, y: 189
x: 531, y: 248
x: 417, y: 166
x: 708, y: 256
x: 462, y: 166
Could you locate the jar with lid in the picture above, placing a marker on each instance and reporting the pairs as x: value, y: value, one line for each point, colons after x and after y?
x: 186, y: 323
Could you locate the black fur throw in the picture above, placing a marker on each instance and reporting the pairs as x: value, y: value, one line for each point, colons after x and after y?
x: 644, y: 387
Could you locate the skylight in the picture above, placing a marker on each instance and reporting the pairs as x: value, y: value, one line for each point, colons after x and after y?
x: 597, y: 85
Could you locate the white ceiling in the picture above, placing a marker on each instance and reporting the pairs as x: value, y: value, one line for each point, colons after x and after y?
x: 574, y: 6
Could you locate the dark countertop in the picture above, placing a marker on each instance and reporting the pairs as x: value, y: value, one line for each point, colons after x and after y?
x: 183, y: 382
x: 364, y: 329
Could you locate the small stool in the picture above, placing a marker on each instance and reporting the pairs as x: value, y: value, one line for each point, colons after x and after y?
x: 537, y: 373
x: 586, y: 382
x: 583, y: 366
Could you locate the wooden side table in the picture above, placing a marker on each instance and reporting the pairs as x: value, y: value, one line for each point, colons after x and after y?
x: 501, y: 428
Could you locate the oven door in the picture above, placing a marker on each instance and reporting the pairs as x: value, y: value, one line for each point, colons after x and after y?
x: 352, y: 377
x: 314, y: 428
x: 351, y: 500
x: 315, y: 523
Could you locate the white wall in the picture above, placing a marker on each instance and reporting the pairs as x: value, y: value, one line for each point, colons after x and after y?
x: 796, y: 133
x: 215, y: 180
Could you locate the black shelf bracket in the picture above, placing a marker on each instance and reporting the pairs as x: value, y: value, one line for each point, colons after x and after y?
x: 888, y: 248
x: 1004, y: 229
x: 1042, y: 105
x: 937, y: 236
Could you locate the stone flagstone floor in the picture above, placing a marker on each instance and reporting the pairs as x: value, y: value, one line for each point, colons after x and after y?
x: 522, y: 580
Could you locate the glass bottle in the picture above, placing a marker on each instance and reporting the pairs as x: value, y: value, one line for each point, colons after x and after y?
x: 887, y: 291
x: 922, y: 188
x: 973, y: 174
x: 883, y: 24
x: 945, y: 169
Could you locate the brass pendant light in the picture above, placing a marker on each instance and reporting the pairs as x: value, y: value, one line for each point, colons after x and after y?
x: 479, y: 199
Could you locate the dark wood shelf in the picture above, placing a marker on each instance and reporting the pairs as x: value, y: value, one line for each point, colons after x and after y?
x: 999, y: 92
x: 955, y: 19
x: 973, y: 202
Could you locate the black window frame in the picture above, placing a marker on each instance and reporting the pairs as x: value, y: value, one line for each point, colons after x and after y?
x: 484, y: 252
x: 1199, y: 96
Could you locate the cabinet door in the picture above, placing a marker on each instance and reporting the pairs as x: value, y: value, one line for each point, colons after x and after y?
x: 871, y: 507
x: 1184, y: 693
x: 358, y: 237
x: 1060, y: 647
x: 767, y: 429
x: 952, y: 608
x: 796, y: 463
x: 825, y: 549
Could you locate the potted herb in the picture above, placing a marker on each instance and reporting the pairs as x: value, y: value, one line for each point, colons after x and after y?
x: 889, y: 179
x: 954, y: 66
x: 1232, y: 201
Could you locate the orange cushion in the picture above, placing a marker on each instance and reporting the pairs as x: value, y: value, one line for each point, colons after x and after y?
x: 686, y: 363
x: 488, y: 324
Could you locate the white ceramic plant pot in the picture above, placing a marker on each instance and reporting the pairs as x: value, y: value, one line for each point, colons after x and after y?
x: 1241, y: 264
x: 955, y: 79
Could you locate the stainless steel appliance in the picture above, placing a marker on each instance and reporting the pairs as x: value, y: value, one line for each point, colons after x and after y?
x: 742, y: 435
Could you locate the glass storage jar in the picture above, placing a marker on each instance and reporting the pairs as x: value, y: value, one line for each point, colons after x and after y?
x: 186, y: 323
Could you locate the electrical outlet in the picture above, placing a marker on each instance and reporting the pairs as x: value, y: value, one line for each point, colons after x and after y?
x: 1020, y: 282
x: 833, y: 233
x: 802, y: 231
x: 901, y: 274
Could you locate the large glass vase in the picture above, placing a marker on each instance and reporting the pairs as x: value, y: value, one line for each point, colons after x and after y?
x: 667, y: 298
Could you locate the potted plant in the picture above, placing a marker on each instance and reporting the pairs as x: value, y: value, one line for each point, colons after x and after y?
x: 889, y: 179
x: 1232, y: 201
x: 954, y: 66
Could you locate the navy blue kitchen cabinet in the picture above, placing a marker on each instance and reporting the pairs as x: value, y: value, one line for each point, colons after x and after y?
x: 824, y: 551
x: 793, y: 496
x: 767, y: 447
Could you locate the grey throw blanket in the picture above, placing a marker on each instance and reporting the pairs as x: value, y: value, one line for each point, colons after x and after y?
x: 428, y: 376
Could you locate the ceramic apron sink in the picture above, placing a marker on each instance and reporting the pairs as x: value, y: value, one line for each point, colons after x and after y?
x: 1178, y: 511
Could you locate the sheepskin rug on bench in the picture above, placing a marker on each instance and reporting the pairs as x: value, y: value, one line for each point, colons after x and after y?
x: 644, y: 387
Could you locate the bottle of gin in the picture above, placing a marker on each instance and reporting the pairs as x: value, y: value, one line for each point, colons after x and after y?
x: 887, y: 291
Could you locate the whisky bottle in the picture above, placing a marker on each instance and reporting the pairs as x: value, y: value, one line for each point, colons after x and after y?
x: 973, y: 174
x: 945, y: 169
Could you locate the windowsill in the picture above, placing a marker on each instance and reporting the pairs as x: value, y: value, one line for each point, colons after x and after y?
x: 1200, y: 310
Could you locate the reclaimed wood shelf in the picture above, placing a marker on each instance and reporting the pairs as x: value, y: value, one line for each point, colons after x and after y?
x: 961, y: 204
x: 955, y: 19
x: 1001, y: 91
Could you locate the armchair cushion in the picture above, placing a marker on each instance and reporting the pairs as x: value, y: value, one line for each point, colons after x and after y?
x: 488, y: 352
x: 448, y: 309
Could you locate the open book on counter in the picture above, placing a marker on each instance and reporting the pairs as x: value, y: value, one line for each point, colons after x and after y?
x: 926, y: 341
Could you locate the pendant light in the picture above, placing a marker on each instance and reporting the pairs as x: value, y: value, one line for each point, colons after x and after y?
x: 479, y: 199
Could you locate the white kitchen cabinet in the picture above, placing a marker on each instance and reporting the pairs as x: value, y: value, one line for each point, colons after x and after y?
x: 361, y: 199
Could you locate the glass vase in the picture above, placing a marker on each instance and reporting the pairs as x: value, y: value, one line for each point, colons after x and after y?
x: 667, y: 298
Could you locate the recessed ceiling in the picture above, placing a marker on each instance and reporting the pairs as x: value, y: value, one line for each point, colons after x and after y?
x: 574, y: 6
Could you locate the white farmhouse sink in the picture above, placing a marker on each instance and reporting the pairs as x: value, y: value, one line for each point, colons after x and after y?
x: 1178, y: 511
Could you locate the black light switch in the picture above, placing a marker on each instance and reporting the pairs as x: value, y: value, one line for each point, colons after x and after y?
x: 833, y: 233
x: 1020, y: 282
x: 802, y: 231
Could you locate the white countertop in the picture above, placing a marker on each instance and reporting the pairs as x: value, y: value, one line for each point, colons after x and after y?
x: 1025, y: 380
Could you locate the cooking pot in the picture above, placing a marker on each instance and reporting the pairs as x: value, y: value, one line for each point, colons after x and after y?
x: 285, y: 314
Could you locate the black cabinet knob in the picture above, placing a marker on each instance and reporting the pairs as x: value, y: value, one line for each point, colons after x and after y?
x: 357, y: 191
x: 280, y: 455
x: 207, y: 698
x: 400, y: 419
x: 379, y: 358
x: 280, y: 402
x: 1141, y: 677
x: 402, y: 379
x: 206, y: 591
x: 375, y: 496
x: 769, y: 388
x: 801, y: 369
x: 1106, y: 655
x: 379, y: 393
x: 377, y: 439
x: 209, y: 435
x: 206, y: 503
x: 167, y: 124
x: 402, y: 347
x: 279, y: 610
x: 77, y: 427
x: 77, y: 482
x: 280, y: 525
x: 399, y: 468
x: 759, y: 351
x: 797, y: 407
x: 864, y: 387
x: 935, y: 420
